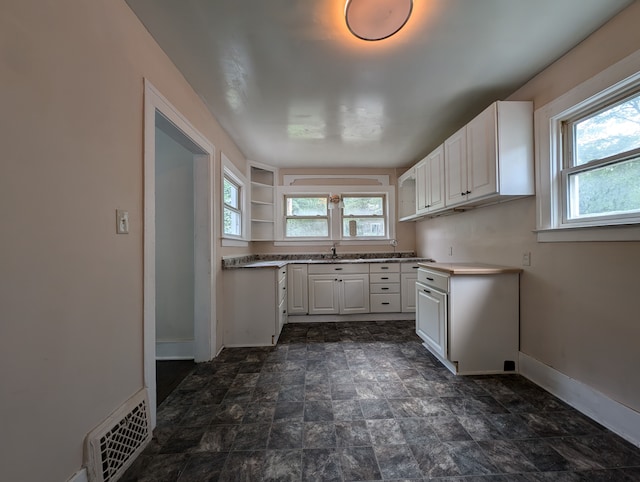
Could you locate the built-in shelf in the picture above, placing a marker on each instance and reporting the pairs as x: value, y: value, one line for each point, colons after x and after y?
x: 262, y: 203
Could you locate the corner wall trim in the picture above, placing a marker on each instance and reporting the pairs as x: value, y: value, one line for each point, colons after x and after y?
x: 615, y: 416
x: 79, y: 476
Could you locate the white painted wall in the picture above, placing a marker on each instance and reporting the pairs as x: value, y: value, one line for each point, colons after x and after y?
x: 71, y: 290
x: 579, y: 301
x: 174, y: 241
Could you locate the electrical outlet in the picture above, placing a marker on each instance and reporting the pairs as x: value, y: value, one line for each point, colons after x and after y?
x: 450, y: 250
x: 526, y: 259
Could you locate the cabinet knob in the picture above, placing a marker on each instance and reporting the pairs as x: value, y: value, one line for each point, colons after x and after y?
x: 426, y: 291
x: 462, y: 193
x: 468, y: 192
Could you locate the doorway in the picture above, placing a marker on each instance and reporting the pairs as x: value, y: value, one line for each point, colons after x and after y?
x: 179, y: 289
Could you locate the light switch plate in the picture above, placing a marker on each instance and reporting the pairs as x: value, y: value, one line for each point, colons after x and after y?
x: 122, y: 221
x: 526, y: 259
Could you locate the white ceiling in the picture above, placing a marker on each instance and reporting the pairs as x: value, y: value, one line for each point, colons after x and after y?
x: 294, y: 88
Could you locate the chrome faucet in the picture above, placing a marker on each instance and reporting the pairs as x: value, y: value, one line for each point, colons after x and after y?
x: 334, y: 253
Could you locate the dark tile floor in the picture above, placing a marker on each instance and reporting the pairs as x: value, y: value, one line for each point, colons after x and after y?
x: 169, y: 374
x: 365, y: 401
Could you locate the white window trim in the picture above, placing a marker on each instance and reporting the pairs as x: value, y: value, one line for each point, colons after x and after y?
x: 335, y: 229
x: 548, y: 118
x: 232, y: 172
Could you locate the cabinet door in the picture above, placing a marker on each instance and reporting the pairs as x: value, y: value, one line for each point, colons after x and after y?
x: 354, y: 293
x: 323, y: 294
x: 481, y: 154
x: 408, y: 291
x: 435, y: 178
x: 422, y: 186
x: 298, y: 297
x: 431, y: 318
x: 455, y: 165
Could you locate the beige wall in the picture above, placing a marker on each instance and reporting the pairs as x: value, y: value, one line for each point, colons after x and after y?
x: 71, y: 130
x: 579, y: 301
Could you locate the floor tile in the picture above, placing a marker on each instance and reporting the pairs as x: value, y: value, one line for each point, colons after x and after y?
x: 366, y: 401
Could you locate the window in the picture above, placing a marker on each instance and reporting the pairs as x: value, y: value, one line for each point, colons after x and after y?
x: 601, y: 162
x: 232, y: 213
x: 588, y: 159
x: 363, y: 217
x: 306, y: 217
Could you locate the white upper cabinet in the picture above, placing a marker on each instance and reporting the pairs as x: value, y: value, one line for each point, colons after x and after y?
x: 407, y: 194
x: 488, y: 160
x: 491, y: 158
x: 430, y: 182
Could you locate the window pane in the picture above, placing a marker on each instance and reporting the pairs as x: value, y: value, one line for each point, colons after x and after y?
x: 365, y: 227
x: 363, y: 206
x: 608, y: 190
x: 307, y: 227
x: 232, y: 222
x: 608, y: 133
x: 306, y: 206
x: 231, y: 193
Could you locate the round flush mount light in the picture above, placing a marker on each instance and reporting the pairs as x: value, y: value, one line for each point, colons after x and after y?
x: 376, y: 19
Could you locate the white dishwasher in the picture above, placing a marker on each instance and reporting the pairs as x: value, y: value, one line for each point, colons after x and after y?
x: 467, y: 314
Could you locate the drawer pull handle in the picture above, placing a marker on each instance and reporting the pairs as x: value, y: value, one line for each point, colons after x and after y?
x: 284, y: 287
x: 385, y: 303
x: 427, y: 291
x: 384, y: 277
x: 430, y: 279
x: 338, y: 269
x: 384, y: 288
x: 384, y: 267
x: 415, y: 267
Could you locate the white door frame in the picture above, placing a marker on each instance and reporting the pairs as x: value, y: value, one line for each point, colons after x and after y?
x: 204, y: 248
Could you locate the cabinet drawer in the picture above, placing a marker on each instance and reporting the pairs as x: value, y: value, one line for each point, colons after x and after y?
x: 409, y: 267
x: 385, y: 303
x: 384, y: 278
x: 384, y: 267
x: 384, y: 288
x: 434, y: 279
x: 336, y: 268
x: 282, y: 289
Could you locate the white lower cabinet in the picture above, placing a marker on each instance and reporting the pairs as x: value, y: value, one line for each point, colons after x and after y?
x: 297, y: 289
x: 338, y: 289
x: 469, y: 318
x: 255, y: 306
x: 408, y: 277
x: 431, y: 323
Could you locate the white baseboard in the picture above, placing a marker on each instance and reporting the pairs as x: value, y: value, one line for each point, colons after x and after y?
x: 617, y: 417
x: 175, y: 350
x: 79, y: 476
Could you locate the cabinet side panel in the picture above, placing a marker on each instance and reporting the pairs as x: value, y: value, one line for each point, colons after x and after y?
x: 515, y: 148
x: 484, y: 322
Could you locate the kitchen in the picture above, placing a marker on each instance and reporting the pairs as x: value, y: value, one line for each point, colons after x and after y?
x: 578, y: 299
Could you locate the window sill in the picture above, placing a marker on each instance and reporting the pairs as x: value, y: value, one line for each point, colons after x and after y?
x: 624, y: 232
x: 234, y: 242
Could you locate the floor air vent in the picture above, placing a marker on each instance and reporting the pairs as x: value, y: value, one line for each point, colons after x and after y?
x: 113, y: 446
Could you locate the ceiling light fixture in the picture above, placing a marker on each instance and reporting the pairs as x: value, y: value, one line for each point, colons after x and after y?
x: 376, y: 19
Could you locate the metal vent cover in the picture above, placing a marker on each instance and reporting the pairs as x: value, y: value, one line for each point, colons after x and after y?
x: 113, y: 445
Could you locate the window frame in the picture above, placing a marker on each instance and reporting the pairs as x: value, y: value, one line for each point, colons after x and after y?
x: 384, y: 217
x: 233, y: 175
x: 604, y: 89
x: 335, y: 215
x: 287, y: 217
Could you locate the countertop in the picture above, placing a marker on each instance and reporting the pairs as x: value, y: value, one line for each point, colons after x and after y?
x: 283, y: 262
x: 469, y: 268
